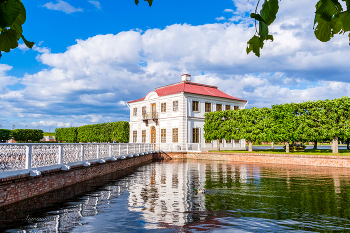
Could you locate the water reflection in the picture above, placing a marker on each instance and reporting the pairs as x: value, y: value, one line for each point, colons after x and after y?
x: 240, y: 197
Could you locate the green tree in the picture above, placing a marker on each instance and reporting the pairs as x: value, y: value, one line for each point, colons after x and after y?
x: 312, y: 122
x: 25, y: 135
x: 5, y: 134
x: 286, y: 124
x: 330, y: 19
x: 214, y: 128
x: 337, y: 120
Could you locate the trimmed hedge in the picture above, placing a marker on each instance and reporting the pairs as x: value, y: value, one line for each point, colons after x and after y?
x: 25, y: 135
x: 5, y: 134
x: 67, y: 134
x: 105, y: 132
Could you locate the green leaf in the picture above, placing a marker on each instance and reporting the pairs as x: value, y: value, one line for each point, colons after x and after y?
x: 269, y: 10
x: 269, y: 37
x: 323, y: 30
x: 9, y: 11
x: 327, y: 8
x: 345, y: 18
x: 347, y: 4
x: 263, y: 30
x: 337, y: 25
x: 254, y: 44
x: 149, y: 2
x: 28, y: 43
x: 257, y: 17
x: 8, y: 40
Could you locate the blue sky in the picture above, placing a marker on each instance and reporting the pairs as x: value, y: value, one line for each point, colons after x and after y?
x: 91, y: 57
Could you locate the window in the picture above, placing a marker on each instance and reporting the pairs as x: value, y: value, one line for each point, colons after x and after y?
x: 134, y: 136
x: 175, y: 135
x: 163, y: 107
x: 218, y: 107
x: 228, y: 141
x: 195, y: 106
x: 143, y: 136
x: 228, y: 107
x: 195, y: 135
x: 235, y: 107
x: 220, y: 140
x: 163, y: 135
x: 236, y: 141
x: 135, y: 112
x: 207, y: 107
x: 175, y: 105
x: 143, y: 110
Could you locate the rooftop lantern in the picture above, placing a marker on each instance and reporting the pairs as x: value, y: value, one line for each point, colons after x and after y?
x: 186, y: 77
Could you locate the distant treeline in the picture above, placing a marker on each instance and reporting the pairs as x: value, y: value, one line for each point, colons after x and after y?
x: 312, y: 121
x: 21, y: 135
x: 105, y: 132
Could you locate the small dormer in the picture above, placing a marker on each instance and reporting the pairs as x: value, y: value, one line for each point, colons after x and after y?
x: 186, y: 77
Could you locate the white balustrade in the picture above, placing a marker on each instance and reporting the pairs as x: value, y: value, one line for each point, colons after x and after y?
x: 26, y: 157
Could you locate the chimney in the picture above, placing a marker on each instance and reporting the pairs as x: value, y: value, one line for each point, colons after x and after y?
x: 186, y: 77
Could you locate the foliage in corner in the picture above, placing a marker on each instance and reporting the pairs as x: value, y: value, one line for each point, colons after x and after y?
x: 330, y: 19
x: 12, y: 17
x: 149, y: 2
x: 266, y: 17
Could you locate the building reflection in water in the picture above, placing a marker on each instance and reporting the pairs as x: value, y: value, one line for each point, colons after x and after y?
x: 165, y: 193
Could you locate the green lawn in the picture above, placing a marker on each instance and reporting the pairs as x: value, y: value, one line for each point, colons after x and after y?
x: 49, y: 134
x: 282, y: 151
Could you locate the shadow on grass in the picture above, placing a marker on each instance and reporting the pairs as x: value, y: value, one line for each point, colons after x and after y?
x: 282, y: 151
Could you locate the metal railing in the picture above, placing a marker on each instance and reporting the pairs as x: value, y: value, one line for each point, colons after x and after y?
x: 178, y: 147
x: 28, y: 156
x: 149, y: 115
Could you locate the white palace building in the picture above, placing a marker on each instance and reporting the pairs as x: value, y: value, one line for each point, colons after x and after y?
x: 172, y: 116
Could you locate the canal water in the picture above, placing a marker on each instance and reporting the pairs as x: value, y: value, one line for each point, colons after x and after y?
x: 160, y: 197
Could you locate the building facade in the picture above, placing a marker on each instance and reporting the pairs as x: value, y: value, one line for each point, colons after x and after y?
x: 175, y: 114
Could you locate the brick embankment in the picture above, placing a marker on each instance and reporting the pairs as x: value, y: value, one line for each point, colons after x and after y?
x: 15, y: 189
x: 313, y: 160
x: 15, y: 214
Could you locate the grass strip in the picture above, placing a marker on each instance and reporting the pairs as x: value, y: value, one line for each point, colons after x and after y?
x: 282, y: 151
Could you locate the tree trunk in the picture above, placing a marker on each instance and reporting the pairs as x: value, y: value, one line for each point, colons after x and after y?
x: 272, y: 145
x: 315, y: 145
x: 218, y: 144
x: 347, y: 144
x: 335, y: 145
x: 250, y: 147
x: 287, y: 147
x: 332, y: 145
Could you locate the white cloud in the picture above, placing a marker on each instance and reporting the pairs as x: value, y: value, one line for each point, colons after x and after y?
x: 62, y: 6
x: 41, y: 49
x: 228, y: 10
x: 93, y: 79
x: 6, y: 80
x: 23, y: 47
x: 97, y: 4
x: 220, y: 18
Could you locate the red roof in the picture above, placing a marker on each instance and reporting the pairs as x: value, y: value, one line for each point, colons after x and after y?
x: 190, y: 87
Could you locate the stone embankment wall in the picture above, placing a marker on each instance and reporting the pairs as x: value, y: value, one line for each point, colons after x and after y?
x: 14, y: 189
x: 295, y: 159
